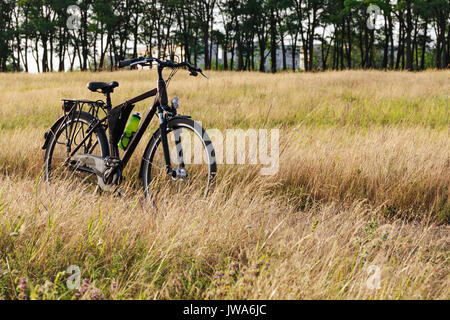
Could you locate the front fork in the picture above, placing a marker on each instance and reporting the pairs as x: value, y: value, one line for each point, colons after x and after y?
x: 181, y: 171
x: 163, y: 121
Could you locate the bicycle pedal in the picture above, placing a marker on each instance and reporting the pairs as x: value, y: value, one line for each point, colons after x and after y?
x: 119, y: 192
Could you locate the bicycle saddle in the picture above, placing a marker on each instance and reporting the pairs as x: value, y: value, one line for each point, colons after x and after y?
x: 104, y: 87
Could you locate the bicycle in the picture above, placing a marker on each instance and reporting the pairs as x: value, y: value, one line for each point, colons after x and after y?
x: 77, y: 145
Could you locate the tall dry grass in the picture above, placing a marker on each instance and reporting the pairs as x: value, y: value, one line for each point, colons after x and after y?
x: 363, y: 181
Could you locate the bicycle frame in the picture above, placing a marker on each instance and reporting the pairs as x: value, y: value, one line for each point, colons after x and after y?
x: 159, y: 103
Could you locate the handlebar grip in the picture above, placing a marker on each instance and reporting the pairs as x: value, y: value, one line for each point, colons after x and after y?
x: 124, y: 63
x: 127, y: 62
x: 193, y: 70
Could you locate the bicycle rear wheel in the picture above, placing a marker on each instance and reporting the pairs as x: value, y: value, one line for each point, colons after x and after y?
x: 69, y: 135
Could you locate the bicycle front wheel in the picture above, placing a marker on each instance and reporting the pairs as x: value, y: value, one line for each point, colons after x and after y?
x: 191, y: 156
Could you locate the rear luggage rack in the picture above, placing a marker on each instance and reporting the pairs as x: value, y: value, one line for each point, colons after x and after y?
x: 79, y: 105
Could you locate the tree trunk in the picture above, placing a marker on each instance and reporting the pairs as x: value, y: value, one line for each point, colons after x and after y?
x: 294, y: 51
x: 424, y: 45
x: 391, y: 37
x: 311, y: 40
x: 361, y: 47
x: 409, y: 51
x: 84, y: 41
x: 253, y: 54
x: 44, y: 55
x: 51, y: 53
x: 217, y: 56
x: 37, y: 54
x: 262, y: 49
x: 205, y: 46
x: 283, y: 52
x: 386, y: 44
x: 273, y: 43
x: 399, y: 46
x: 232, y: 54
x: 349, y: 42
x: 225, y: 51
x: 443, y: 27
x: 415, y: 45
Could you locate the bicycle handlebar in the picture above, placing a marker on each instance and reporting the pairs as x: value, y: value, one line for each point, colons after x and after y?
x: 127, y: 62
x: 167, y: 63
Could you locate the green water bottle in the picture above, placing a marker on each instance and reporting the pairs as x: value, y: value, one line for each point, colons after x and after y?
x: 130, y: 130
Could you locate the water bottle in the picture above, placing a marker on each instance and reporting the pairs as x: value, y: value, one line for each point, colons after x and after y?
x: 130, y: 130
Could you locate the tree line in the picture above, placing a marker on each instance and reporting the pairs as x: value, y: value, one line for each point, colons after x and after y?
x: 340, y: 34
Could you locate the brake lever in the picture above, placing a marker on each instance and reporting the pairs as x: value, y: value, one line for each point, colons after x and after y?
x: 201, y: 72
x: 136, y: 63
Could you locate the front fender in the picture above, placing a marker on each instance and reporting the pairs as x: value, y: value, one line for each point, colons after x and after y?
x: 49, y: 134
x: 155, y: 136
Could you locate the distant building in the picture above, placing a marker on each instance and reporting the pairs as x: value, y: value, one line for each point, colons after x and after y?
x: 299, y: 60
x: 299, y: 57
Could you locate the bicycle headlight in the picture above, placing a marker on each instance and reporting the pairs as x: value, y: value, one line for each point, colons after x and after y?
x: 175, y: 102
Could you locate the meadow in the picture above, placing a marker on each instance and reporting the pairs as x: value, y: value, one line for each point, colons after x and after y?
x: 363, y: 185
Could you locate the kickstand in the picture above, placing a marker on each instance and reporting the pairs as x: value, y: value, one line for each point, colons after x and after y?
x: 119, y: 192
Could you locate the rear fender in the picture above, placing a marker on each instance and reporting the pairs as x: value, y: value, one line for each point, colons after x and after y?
x: 49, y: 134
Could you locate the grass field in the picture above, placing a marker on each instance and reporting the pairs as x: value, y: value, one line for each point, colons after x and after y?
x: 363, y: 183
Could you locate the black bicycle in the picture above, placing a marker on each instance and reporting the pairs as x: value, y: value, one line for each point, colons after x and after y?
x: 179, y: 154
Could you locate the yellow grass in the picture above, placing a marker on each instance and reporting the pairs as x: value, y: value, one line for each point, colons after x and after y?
x: 363, y: 181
